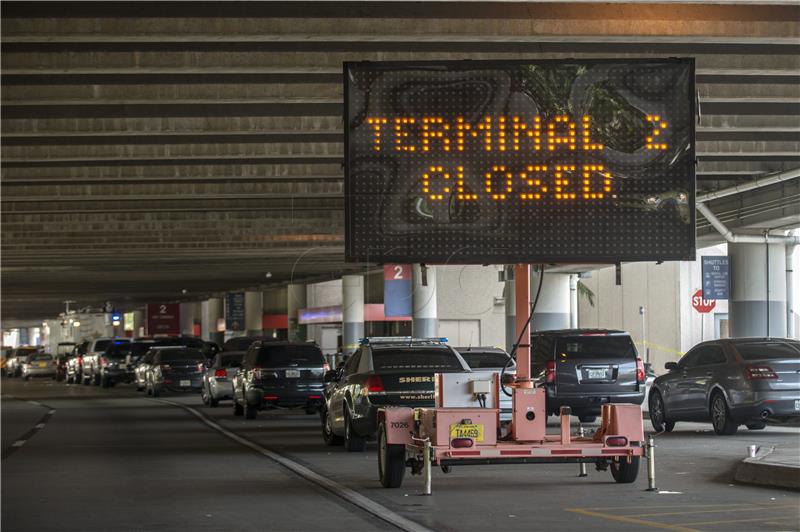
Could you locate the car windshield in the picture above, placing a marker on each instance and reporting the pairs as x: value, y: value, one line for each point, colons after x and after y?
x: 239, y: 344
x: 182, y: 355
x: 414, y: 359
x: 231, y: 361
x: 768, y: 350
x: 478, y: 360
x: 596, y: 347
x: 138, y: 349
x: 102, y: 345
x: 118, y: 350
x: 24, y: 351
x: 276, y: 356
x: 39, y: 356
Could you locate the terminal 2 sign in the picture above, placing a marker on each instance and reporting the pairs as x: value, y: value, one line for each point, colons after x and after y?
x: 520, y: 161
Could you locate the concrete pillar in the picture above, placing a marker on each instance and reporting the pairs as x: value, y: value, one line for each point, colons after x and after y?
x: 425, y: 322
x: 352, y: 312
x: 758, y: 290
x: 296, y: 299
x: 253, y: 313
x: 553, y: 308
x: 573, y: 301
x: 511, y: 310
x: 790, y: 301
x: 211, y: 313
x: 188, y: 312
x: 138, y: 322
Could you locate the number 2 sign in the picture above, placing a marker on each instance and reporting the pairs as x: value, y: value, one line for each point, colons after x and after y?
x: 397, y: 290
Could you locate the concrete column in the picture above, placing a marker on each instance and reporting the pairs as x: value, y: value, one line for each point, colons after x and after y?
x: 296, y: 299
x: 758, y: 290
x: 188, y: 312
x: 425, y: 322
x: 253, y: 313
x: 573, y: 301
x: 511, y: 310
x: 553, y: 308
x: 352, y: 312
x: 211, y: 313
x: 138, y: 322
x: 790, y: 301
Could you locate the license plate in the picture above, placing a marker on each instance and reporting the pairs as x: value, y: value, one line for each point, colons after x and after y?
x: 292, y: 373
x: 462, y: 430
x: 797, y: 404
x: 186, y: 384
x: 123, y: 366
x: 42, y: 364
x: 596, y: 373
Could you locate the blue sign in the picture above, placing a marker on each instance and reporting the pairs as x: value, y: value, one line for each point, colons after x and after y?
x: 234, y: 311
x: 716, y: 277
x: 397, y: 290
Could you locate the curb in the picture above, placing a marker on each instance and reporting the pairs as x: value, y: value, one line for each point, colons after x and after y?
x: 756, y: 471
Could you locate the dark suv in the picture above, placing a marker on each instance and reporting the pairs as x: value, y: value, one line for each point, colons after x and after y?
x: 586, y: 368
x: 286, y: 374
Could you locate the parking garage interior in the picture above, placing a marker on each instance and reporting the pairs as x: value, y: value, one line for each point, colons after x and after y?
x: 186, y: 170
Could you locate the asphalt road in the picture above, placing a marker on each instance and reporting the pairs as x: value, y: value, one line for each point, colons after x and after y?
x: 114, y: 459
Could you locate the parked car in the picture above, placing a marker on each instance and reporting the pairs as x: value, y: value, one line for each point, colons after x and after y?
x: 382, y: 372
x: 63, y: 351
x: 91, y: 360
x: 218, y: 377
x: 242, y: 343
x: 18, y: 357
x: 283, y: 374
x: 174, y: 369
x: 38, y: 365
x: 731, y: 382
x: 586, y: 368
x: 141, y: 357
x: 118, y: 361
x: 5, y: 352
x: 75, y: 363
x: 487, y: 361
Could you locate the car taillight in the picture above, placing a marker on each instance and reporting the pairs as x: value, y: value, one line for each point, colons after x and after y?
x: 165, y: 366
x: 640, y: 376
x: 201, y: 367
x: 315, y: 397
x: 753, y: 373
x: 616, y: 441
x: 220, y: 373
x: 550, y: 371
x: 374, y: 384
x: 103, y: 361
x: 80, y: 360
x: 270, y: 397
x: 326, y: 367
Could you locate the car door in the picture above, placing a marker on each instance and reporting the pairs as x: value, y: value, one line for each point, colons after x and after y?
x: 704, y: 376
x: 693, y: 382
x: 676, y: 384
x: 338, y: 398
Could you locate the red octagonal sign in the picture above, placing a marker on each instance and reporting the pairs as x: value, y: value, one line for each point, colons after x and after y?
x: 702, y: 305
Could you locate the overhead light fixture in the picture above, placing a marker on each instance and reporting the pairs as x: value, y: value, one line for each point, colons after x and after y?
x: 268, y: 275
x: 76, y: 324
x: 184, y: 291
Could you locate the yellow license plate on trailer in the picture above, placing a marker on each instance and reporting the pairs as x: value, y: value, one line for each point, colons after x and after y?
x: 461, y: 430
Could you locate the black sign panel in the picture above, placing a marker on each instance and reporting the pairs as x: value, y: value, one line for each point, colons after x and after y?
x: 520, y: 161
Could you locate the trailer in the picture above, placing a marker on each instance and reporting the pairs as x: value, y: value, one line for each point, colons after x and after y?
x: 452, y: 434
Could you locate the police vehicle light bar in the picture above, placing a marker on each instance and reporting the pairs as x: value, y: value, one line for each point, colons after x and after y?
x: 401, y: 340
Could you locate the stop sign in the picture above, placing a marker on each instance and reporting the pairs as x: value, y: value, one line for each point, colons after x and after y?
x: 702, y: 305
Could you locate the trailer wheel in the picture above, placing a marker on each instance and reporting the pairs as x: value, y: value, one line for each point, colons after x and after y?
x: 624, y: 472
x: 391, y: 460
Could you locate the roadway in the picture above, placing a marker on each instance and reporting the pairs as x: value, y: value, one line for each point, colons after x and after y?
x: 114, y: 459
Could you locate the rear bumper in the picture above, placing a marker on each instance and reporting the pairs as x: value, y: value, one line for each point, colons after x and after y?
x: 39, y: 372
x: 223, y: 390
x: 265, y: 396
x: 767, y: 405
x: 590, y: 403
x: 173, y: 383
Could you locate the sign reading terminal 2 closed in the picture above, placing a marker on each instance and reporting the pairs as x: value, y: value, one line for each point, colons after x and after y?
x: 520, y: 161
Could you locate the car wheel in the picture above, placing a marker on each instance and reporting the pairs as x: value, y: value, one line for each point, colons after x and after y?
x: 250, y: 411
x: 213, y: 402
x: 658, y: 414
x: 238, y: 410
x: 328, y: 435
x: 624, y: 472
x: 156, y: 392
x: 148, y: 390
x: 353, y: 443
x: 26, y: 377
x: 95, y: 379
x: 587, y: 419
x: 391, y: 461
x: 86, y: 380
x: 204, y: 395
x: 104, y: 383
x: 721, y: 416
x: 758, y: 425
x: 68, y: 379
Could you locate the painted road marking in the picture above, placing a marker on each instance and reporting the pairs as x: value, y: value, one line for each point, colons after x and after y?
x: 8, y: 451
x: 756, y: 519
x: 378, y: 510
x: 726, y: 510
x: 630, y: 520
x: 18, y: 443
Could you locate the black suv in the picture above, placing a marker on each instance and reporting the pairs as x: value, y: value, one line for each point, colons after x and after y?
x: 283, y: 374
x: 586, y: 368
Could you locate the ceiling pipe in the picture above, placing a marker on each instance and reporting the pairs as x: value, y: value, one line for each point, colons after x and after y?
x: 734, y: 238
x: 750, y: 185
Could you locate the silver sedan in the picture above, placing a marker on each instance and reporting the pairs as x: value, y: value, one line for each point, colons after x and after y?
x: 218, y: 377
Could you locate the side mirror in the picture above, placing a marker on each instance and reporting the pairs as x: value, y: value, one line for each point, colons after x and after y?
x: 330, y: 376
x: 671, y: 366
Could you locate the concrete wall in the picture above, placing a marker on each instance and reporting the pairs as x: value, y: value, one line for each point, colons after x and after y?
x: 325, y: 294
x: 467, y: 293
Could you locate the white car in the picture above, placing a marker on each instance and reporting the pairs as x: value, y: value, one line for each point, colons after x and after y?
x: 38, y: 365
x: 218, y: 377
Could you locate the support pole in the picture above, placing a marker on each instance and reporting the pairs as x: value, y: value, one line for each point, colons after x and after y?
x: 582, y: 472
x: 426, y: 465
x: 522, y: 294
x: 651, y: 464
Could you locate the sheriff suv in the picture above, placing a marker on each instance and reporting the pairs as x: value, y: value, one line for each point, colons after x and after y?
x: 586, y: 368
x: 389, y: 371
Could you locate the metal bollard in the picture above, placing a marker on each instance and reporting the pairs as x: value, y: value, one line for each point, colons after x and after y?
x: 651, y: 464
x: 426, y: 465
x: 582, y: 472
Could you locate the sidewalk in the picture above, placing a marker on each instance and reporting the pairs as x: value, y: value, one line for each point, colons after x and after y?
x: 777, y: 467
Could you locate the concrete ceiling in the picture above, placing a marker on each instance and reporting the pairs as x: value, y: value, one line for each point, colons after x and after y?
x: 151, y: 148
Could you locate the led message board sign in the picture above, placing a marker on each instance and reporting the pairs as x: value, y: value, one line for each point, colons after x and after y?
x: 478, y: 162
